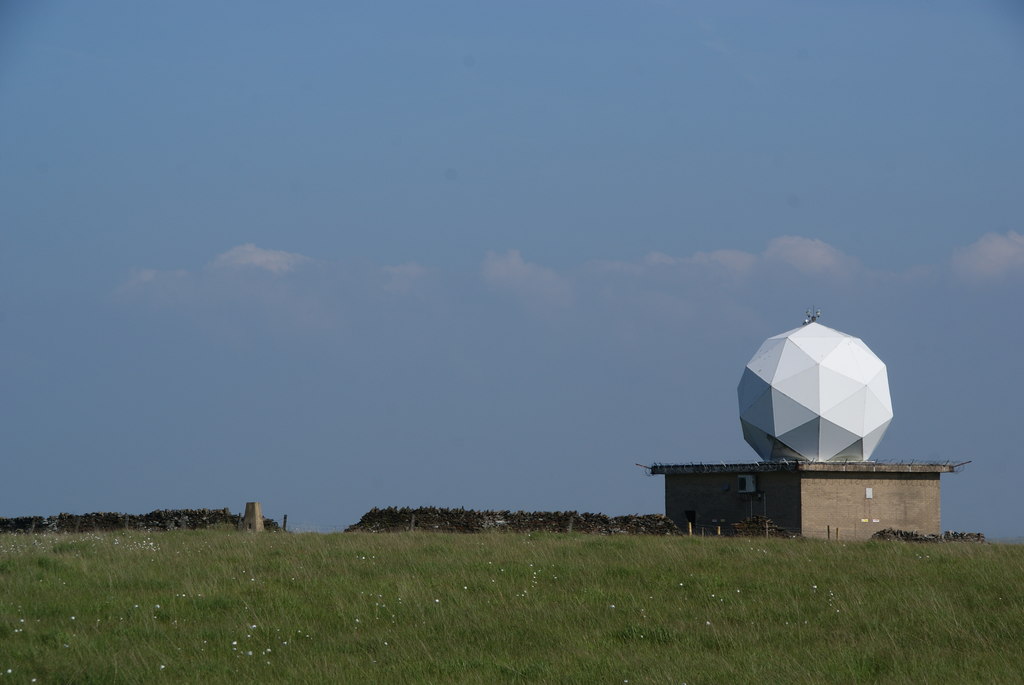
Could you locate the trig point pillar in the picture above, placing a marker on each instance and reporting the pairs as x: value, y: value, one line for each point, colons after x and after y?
x: 252, y: 521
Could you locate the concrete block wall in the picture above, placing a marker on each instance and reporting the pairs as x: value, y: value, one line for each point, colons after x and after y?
x: 715, y: 500
x: 836, y: 500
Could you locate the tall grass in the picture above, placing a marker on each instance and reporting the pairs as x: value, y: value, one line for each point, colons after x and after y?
x: 217, y: 606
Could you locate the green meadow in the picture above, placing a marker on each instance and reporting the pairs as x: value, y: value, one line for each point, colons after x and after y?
x: 224, y: 607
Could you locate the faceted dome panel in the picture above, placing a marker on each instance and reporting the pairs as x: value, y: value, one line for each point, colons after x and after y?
x: 814, y: 394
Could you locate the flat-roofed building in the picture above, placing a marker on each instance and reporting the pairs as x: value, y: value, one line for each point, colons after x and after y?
x: 849, y: 500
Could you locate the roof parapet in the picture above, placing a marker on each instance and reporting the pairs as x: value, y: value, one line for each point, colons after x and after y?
x: 820, y: 466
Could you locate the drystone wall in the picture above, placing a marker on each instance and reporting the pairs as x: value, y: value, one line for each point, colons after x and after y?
x: 914, y: 536
x: 161, y: 519
x: 395, y: 519
x: 759, y: 526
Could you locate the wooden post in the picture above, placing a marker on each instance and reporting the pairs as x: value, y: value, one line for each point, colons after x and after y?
x: 828, y: 532
x: 837, y: 534
x: 689, y: 527
x: 718, y: 531
x: 284, y: 523
x: 252, y: 521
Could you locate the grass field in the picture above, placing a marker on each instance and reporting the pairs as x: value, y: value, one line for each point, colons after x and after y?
x: 218, y: 606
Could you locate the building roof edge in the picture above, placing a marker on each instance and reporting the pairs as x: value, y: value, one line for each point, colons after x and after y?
x: 810, y: 466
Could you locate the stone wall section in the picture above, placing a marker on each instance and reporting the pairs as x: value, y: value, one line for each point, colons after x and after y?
x: 161, y: 519
x: 398, y: 519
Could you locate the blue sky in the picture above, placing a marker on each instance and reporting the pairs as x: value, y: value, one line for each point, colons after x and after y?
x: 333, y: 256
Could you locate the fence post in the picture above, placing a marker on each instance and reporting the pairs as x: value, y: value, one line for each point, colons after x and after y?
x: 718, y: 531
x: 689, y: 528
x: 284, y: 523
x: 252, y: 521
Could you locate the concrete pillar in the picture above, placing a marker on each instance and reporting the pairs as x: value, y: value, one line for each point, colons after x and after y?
x: 252, y: 521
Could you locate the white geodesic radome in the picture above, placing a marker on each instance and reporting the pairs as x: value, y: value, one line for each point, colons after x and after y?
x: 814, y: 394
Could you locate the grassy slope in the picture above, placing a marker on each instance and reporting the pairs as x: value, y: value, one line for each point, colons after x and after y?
x: 217, y: 606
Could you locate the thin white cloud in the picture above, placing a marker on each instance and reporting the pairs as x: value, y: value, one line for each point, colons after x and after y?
x: 991, y: 257
x: 809, y: 256
x: 735, y: 261
x: 806, y: 256
x: 161, y: 287
x: 248, y: 255
x: 221, y: 287
x: 404, y: 278
x: 536, y: 284
x: 140, y: 277
x: 730, y: 261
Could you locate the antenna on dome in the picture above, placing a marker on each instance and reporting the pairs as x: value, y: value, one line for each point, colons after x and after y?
x: 812, y: 315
